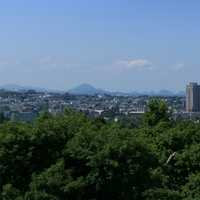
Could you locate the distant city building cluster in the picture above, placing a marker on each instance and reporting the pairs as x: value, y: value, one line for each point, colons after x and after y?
x: 27, y: 105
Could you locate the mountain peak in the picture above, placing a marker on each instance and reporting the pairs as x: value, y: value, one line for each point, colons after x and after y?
x: 86, y: 89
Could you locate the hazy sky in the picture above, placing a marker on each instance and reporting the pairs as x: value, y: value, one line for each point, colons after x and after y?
x: 114, y: 44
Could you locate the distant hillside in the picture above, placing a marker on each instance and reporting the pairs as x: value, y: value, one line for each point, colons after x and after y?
x: 166, y: 93
x: 87, y: 89
x: 19, y: 88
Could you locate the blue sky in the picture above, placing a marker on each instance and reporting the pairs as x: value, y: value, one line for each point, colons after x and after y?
x: 120, y: 45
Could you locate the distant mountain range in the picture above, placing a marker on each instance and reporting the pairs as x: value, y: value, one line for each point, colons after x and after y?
x: 17, y: 88
x: 86, y: 89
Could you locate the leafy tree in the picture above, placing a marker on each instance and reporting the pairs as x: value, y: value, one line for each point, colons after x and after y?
x: 162, y: 194
x: 70, y: 156
x: 9, y: 192
x: 192, y: 189
x: 113, y: 163
x: 157, y: 112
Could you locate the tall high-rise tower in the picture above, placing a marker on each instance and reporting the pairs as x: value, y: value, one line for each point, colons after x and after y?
x: 193, y: 97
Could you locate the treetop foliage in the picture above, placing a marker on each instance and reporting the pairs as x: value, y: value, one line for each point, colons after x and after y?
x: 70, y: 156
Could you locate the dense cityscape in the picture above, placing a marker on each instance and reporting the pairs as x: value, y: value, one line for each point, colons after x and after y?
x: 26, y: 105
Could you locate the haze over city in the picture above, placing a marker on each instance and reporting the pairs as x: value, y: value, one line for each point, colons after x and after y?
x: 115, y: 45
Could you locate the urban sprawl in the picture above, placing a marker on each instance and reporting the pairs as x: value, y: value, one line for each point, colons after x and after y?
x: 27, y: 105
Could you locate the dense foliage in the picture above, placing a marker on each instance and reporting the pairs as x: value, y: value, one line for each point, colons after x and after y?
x: 73, y: 157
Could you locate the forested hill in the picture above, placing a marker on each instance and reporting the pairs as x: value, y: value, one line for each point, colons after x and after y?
x: 76, y: 158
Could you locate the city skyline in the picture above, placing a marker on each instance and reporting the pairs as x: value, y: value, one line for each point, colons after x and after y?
x: 115, y: 45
